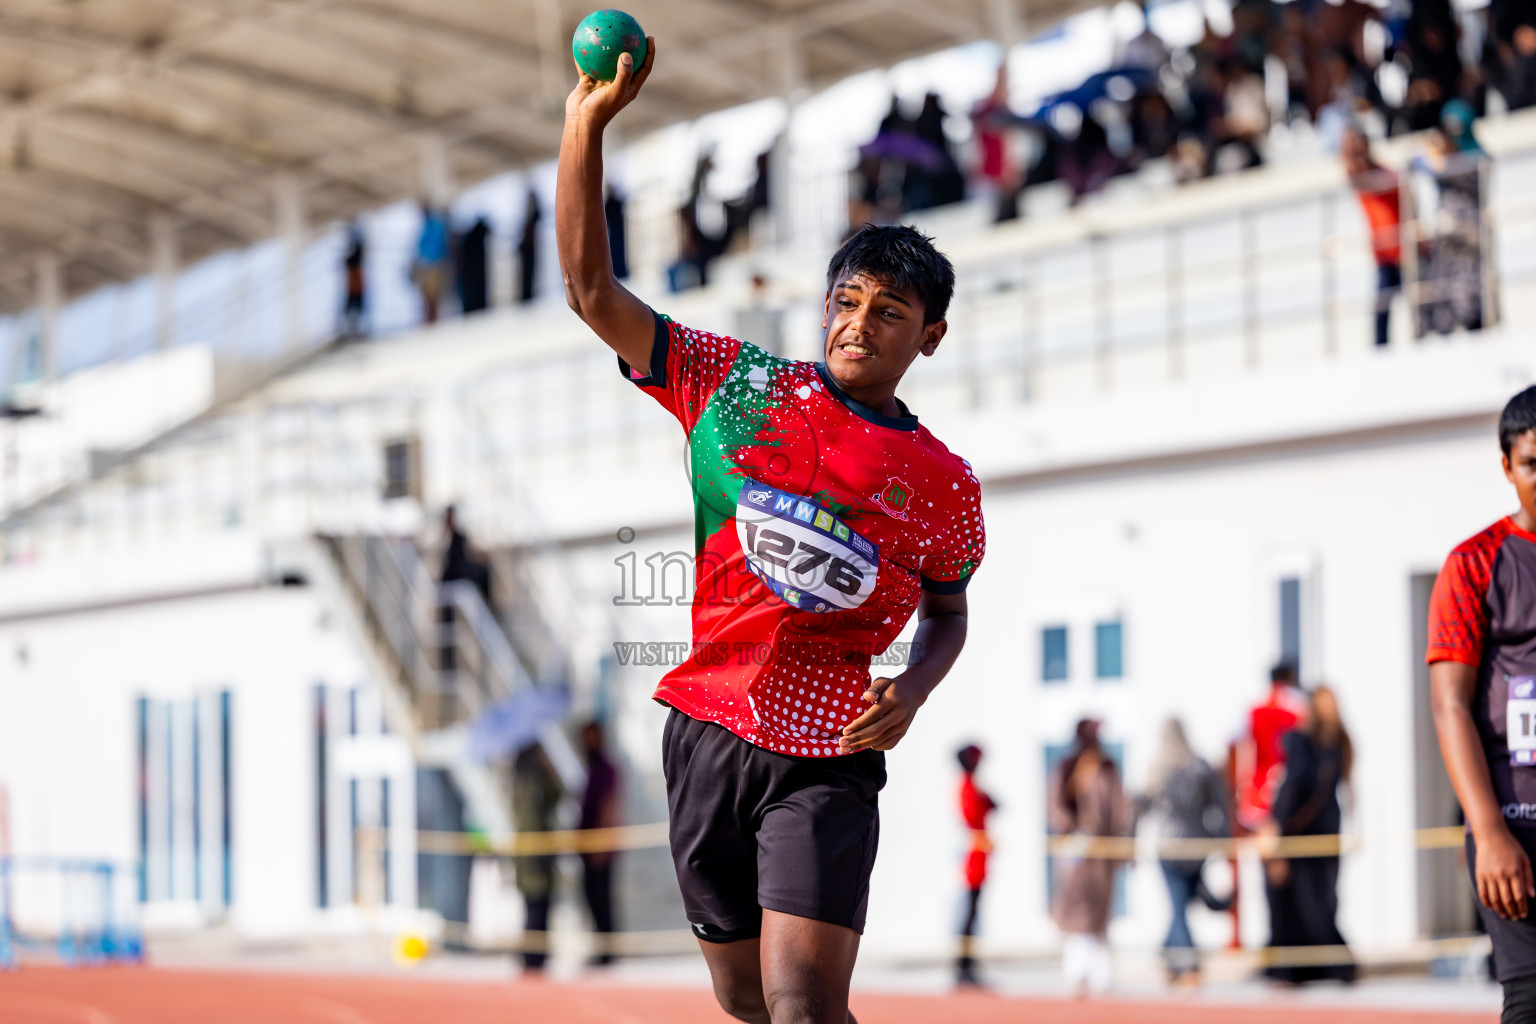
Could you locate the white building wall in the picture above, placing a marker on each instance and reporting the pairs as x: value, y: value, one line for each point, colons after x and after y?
x: 69, y: 686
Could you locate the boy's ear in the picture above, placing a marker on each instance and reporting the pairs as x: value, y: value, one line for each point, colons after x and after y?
x: 826, y: 308
x: 1509, y: 472
x: 933, y: 334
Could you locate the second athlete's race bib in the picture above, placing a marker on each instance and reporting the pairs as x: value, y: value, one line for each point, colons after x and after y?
x: 1520, y: 720
x: 804, y: 554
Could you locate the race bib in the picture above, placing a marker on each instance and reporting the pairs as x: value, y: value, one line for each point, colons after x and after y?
x: 802, y: 552
x: 1520, y: 720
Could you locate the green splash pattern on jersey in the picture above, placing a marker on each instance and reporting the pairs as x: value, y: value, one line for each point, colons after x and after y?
x: 840, y: 509
x: 737, y: 416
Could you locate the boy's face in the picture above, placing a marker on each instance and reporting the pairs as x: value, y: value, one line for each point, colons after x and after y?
x: 1520, y: 470
x: 874, y: 331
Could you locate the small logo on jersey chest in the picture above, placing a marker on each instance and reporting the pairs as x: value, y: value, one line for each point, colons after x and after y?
x: 893, y: 500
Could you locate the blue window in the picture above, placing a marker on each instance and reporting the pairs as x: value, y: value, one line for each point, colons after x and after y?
x: 1108, y: 652
x: 1053, y: 654
x: 1290, y: 621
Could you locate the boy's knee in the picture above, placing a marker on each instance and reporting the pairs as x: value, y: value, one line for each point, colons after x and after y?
x: 742, y: 1000
x: 804, y: 1005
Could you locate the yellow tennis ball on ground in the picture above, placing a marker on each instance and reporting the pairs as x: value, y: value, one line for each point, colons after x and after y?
x: 411, y: 949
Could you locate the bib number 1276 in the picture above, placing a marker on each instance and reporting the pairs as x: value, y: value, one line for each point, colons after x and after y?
x: 802, y: 560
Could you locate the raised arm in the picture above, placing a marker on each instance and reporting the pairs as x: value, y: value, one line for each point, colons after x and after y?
x: 1504, y: 882
x: 624, y: 323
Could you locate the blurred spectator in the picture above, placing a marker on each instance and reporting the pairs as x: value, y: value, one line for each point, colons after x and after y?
x: 939, y: 183
x: 599, y: 809
x: 699, y: 248
x: 353, y: 307
x: 618, y: 244
x: 1235, y: 136
x: 461, y: 563
x: 975, y: 806
x: 1432, y: 35
x: 1451, y: 294
x: 740, y: 211
x: 536, y: 792
x: 1293, y: 47
x: 1189, y: 801
x: 1154, y: 128
x: 1381, y: 200
x: 457, y: 565
x: 1304, y: 891
x: 1516, y: 67
x: 1261, y: 759
x: 1086, y: 799
x: 528, y: 249
x: 472, y: 267
x: 430, y: 267
x: 1255, y: 27
x: 1146, y: 49
x: 1086, y: 162
x: 885, y: 164
x: 997, y: 169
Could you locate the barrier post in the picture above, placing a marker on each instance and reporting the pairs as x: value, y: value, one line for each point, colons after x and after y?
x: 7, y: 930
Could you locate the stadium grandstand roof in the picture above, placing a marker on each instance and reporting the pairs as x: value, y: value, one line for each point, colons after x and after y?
x: 123, y: 121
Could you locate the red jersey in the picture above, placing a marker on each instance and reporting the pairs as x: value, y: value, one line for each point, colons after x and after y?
x: 974, y: 808
x: 1381, y: 202
x: 817, y: 523
x: 1482, y: 613
x: 1281, y: 712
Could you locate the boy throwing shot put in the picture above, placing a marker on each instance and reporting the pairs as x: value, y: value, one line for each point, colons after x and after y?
x: 1482, y: 654
x: 825, y: 515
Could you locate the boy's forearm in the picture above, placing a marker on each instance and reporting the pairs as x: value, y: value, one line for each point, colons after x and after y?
x: 1462, y: 750
x: 580, y: 231
x: 936, y: 645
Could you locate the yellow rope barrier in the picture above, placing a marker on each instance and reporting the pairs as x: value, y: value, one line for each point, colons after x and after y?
x: 654, y: 834
x: 535, y: 844
x: 1126, y: 848
x: 1082, y: 847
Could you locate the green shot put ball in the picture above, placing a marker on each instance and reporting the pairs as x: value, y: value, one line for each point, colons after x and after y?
x: 601, y: 37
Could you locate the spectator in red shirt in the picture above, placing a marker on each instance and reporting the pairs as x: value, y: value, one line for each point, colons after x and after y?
x: 1261, y: 760
x: 1377, y: 189
x: 974, y: 808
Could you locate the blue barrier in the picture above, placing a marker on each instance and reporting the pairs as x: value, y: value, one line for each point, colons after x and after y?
x: 85, y: 907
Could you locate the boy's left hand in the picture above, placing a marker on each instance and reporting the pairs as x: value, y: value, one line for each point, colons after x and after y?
x: 881, y: 727
x: 597, y: 102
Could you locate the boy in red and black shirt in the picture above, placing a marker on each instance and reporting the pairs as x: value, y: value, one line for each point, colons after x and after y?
x: 825, y: 516
x: 1482, y: 654
x: 975, y: 807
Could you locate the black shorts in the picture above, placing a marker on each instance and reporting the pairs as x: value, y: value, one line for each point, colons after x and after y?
x: 1514, y: 942
x: 752, y: 829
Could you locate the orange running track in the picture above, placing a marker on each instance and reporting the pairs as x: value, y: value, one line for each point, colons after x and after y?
x: 128, y: 995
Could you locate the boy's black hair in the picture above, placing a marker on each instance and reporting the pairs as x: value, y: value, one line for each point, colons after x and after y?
x: 1283, y: 672
x: 1518, y: 417
x: 902, y: 257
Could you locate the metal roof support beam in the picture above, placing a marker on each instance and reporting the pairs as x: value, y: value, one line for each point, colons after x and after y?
x: 288, y: 202
x: 792, y: 74
x: 199, y: 202
x: 164, y: 258
x: 945, y: 20
x: 50, y: 294
x: 1007, y: 22
x: 80, y: 229
x: 553, y: 63
x: 436, y: 172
